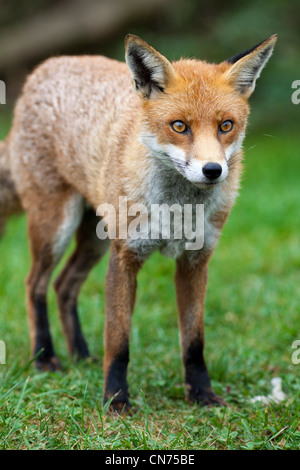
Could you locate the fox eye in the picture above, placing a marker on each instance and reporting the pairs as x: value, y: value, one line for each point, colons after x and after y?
x: 179, y: 126
x: 226, y: 126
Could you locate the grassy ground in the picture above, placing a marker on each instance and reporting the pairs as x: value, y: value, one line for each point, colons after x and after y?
x: 252, y: 318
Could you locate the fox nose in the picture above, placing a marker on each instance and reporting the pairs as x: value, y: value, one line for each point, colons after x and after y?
x: 212, y: 170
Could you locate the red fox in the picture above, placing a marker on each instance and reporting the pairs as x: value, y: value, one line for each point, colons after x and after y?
x: 87, y: 130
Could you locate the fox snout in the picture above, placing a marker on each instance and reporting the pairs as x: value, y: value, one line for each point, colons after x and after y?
x: 212, y: 170
x: 205, y: 173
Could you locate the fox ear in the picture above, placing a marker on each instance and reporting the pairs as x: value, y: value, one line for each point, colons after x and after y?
x: 150, y: 71
x: 247, y: 66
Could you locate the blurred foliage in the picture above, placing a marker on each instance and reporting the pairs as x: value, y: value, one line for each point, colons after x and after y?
x: 212, y: 31
x: 14, y: 11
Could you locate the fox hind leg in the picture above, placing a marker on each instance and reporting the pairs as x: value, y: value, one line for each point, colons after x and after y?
x: 50, y: 230
x: 89, y: 249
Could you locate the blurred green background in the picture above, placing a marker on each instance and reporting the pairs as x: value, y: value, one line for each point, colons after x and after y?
x: 252, y: 307
x: 31, y: 31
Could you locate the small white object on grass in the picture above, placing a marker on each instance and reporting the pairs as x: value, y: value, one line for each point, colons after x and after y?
x: 276, y: 396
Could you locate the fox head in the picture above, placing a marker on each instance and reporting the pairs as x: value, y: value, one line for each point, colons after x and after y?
x: 195, y: 113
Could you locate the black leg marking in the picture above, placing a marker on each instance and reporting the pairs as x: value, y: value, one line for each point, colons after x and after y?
x: 80, y: 345
x: 197, y: 377
x: 43, y: 347
x: 116, y: 382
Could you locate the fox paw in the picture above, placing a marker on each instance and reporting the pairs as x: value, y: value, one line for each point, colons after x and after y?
x: 50, y: 364
x: 206, y: 399
x: 120, y: 408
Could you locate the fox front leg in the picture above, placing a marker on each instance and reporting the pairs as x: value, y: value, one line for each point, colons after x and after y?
x: 191, y: 280
x: 120, y: 299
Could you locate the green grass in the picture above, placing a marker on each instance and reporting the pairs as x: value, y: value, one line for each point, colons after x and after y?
x: 252, y: 318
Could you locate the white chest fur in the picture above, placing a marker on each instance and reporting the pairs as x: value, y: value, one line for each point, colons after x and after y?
x: 164, y: 186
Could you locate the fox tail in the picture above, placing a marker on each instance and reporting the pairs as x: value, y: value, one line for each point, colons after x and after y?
x: 9, y: 200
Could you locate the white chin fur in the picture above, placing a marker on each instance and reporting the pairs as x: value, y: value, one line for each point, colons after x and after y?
x: 168, y: 153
